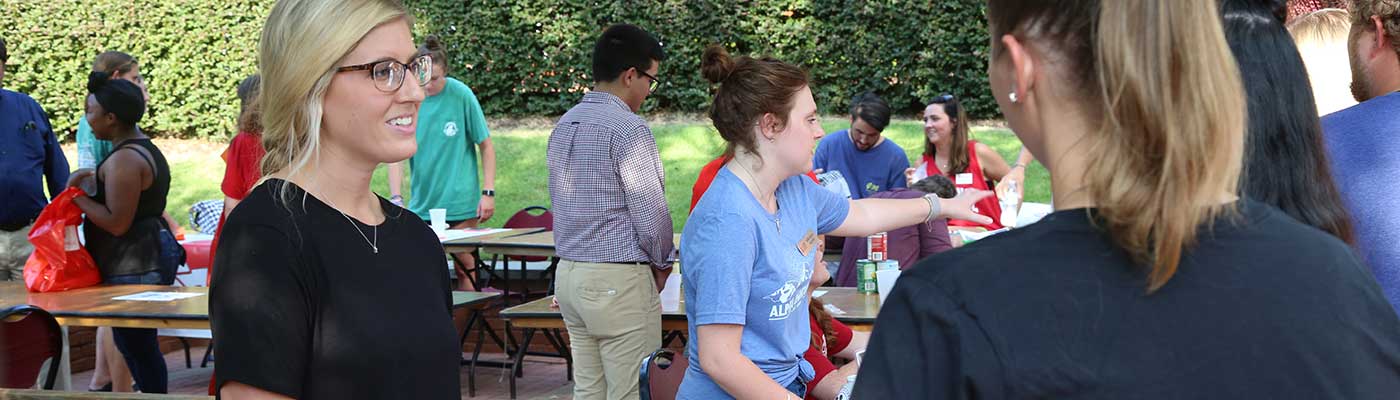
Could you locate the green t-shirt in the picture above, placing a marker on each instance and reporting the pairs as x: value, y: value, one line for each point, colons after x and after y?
x: 91, y: 150
x: 443, y: 172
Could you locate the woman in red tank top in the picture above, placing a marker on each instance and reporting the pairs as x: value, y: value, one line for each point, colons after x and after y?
x: 949, y: 152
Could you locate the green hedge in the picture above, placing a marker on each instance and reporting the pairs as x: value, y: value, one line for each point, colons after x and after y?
x: 193, y: 53
x: 523, y: 57
x: 533, y: 57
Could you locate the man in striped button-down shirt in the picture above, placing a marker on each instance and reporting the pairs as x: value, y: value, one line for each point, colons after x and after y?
x: 612, y: 228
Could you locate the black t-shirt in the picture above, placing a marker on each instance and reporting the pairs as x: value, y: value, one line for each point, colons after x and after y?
x: 300, y: 304
x: 1262, y: 307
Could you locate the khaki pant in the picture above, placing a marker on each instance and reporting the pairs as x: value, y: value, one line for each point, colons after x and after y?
x: 613, y: 315
x: 14, y: 251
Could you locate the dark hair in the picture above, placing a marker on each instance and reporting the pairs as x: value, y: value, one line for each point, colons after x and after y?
x: 748, y: 88
x: 939, y: 185
x: 621, y: 47
x: 117, y: 96
x: 872, y: 109
x: 4, y: 54
x: 433, y: 47
x: 249, y: 115
x: 958, y: 161
x: 1285, y: 164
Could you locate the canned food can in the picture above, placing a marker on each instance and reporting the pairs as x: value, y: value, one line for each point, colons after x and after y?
x: 865, y: 276
x: 877, y: 246
x: 887, y: 265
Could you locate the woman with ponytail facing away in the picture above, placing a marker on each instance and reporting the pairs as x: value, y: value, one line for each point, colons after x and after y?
x: 1153, y: 278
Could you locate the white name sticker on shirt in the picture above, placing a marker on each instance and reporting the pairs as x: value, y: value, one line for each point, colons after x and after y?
x: 963, y: 179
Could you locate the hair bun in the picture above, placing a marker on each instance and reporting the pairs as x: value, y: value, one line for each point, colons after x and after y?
x: 97, y: 80
x: 432, y: 43
x: 715, y: 63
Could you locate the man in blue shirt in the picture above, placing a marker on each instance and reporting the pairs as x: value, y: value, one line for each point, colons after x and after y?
x: 869, y: 162
x: 29, y: 152
x: 1363, y: 142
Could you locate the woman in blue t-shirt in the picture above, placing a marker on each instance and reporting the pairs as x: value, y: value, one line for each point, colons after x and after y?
x: 748, y: 246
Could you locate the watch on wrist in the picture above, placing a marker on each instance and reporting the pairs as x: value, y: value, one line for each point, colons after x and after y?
x: 488, y: 193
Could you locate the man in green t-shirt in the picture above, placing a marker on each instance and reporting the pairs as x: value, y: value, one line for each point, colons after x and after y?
x: 443, y: 173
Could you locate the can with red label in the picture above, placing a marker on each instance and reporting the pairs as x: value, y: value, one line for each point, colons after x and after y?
x: 877, y: 246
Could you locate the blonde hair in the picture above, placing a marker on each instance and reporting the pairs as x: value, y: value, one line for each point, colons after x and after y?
x: 1171, y: 139
x: 1325, y: 26
x: 301, y: 43
x: 114, y: 63
x: 1321, y: 37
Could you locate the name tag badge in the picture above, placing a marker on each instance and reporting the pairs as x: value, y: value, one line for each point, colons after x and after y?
x: 963, y: 179
x: 808, y: 242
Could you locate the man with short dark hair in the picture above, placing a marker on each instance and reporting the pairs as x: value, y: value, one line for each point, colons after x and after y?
x: 1363, y: 141
x: 29, y: 153
x: 869, y: 162
x: 612, y: 227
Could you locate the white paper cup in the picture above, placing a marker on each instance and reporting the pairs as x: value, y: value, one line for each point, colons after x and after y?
x: 438, y: 216
x: 884, y: 282
x: 671, y: 294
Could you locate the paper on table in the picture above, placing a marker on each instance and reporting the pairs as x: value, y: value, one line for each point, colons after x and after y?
x: 834, y: 310
x: 455, y: 234
x: 818, y: 293
x: 157, y: 296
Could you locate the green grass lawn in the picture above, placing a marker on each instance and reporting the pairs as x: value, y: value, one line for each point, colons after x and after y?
x: 522, y: 178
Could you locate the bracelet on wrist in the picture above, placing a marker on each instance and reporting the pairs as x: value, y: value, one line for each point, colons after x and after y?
x: 934, y: 207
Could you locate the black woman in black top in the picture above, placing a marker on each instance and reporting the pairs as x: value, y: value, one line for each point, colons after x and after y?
x: 126, y: 235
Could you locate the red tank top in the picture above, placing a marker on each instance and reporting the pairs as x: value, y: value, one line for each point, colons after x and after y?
x: 972, y: 179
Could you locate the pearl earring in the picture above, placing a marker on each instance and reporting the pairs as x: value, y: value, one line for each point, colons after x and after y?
x: 1012, y: 95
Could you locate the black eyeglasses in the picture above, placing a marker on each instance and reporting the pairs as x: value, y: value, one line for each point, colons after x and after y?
x: 389, y: 75
x: 655, y: 83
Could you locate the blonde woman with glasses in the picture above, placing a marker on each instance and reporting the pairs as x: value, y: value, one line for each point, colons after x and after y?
x: 323, y: 289
x: 1153, y: 279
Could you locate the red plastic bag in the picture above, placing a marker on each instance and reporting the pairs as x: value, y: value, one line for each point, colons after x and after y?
x: 59, y: 261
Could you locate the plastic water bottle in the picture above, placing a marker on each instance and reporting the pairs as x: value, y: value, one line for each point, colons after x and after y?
x: 1008, y: 204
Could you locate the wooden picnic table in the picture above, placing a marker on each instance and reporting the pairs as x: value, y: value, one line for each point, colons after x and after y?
x: 858, y: 310
x: 34, y: 394
x: 466, y: 244
x: 855, y: 309
x: 541, y: 244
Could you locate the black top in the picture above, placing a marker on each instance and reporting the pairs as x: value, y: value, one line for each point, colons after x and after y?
x: 301, y: 305
x: 152, y: 200
x: 1262, y: 308
x: 137, y: 250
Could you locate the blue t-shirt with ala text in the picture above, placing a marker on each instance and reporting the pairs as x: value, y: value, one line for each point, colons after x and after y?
x: 742, y: 267
x: 867, y: 172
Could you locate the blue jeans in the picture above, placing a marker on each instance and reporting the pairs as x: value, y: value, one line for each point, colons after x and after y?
x: 139, y: 346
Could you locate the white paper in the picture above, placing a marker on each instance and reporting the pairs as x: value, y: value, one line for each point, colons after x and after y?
x: 196, y: 237
x: 834, y: 310
x: 817, y: 294
x: 457, y: 234
x: 158, y: 296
